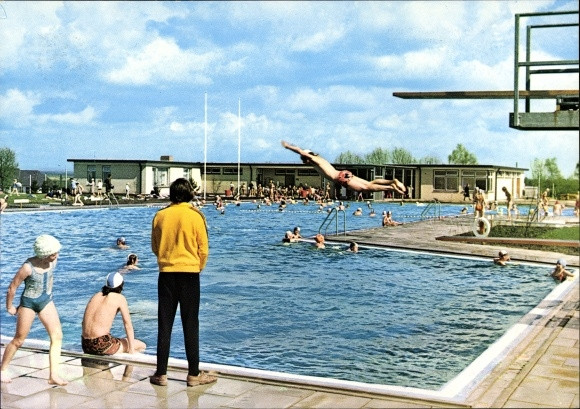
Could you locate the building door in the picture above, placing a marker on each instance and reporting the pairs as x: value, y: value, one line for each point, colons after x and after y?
x: 289, y: 180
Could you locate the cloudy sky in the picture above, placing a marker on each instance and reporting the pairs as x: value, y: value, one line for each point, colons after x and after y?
x: 127, y: 80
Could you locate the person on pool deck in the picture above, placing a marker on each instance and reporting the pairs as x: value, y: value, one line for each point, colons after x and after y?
x: 388, y: 220
x: 510, y: 202
x: 560, y: 273
x: 36, y: 299
x: 479, y: 203
x: 345, y: 177
x: 179, y: 239
x: 100, y: 312
x: 502, y: 258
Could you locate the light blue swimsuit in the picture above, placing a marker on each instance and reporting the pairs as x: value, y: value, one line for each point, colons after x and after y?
x: 37, y: 292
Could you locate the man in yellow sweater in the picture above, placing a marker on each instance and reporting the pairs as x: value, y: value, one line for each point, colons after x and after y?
x: 179, y: 239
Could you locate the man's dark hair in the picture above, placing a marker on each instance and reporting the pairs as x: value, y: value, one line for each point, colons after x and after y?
x: 106, y: 290
x: 181, y: 191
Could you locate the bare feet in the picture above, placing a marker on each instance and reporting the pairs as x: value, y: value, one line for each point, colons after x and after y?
x: 4, y: 377
x: 399, y: 187
x: 55, y: 380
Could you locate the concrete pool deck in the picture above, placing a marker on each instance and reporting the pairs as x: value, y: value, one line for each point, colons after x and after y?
x: 542, y: 370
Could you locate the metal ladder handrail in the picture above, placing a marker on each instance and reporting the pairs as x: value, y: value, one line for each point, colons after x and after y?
x: 436, y: 206
x: 108, y: 196
x: 333, y: 216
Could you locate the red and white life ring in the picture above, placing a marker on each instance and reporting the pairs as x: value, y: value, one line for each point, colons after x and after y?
x: 477, y: 225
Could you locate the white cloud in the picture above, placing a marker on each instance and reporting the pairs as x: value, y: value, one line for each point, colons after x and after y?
x: 318, y: 41
x: 162, y: 60
x: 17, y: 107
x: 176, y: 127
x: 86, y: 116
x: 425, y: 63
x: 336, y: 97
x: 26, y: 23
x: 182, y: 127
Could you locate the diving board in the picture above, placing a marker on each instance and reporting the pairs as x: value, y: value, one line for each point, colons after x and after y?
x: 565, y: 115
x: 534, y: 94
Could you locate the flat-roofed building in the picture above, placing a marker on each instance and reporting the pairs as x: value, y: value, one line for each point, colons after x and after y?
x: 425, y: 182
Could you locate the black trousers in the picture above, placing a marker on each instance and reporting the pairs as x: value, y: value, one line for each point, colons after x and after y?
x: 174, y: 289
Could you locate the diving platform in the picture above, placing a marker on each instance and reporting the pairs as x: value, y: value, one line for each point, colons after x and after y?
x: 550, y: 121
x: 565, y: 116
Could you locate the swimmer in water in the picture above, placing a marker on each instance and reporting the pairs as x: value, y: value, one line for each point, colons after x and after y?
x: 560, y: 273
x: 319, y: 241
x: 502, y: 258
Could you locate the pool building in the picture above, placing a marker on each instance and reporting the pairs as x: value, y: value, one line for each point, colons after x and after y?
x: 426, y: 182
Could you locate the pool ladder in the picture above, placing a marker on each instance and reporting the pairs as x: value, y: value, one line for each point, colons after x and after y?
x: 333, y: 217
x: 108, y: 197
x: 433, y: 207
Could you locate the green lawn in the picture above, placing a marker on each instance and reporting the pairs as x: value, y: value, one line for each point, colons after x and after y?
x: 555, y: 233
x: 547, y: 232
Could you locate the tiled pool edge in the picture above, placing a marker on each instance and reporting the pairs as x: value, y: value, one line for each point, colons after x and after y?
x: 454, y: 392
x: 467, y: 380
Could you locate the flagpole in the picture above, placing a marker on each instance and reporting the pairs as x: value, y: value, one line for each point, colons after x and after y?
x: 205, y: 151
x: 239, y: 140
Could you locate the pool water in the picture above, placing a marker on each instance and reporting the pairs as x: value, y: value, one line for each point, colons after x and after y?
x: 378, y: 316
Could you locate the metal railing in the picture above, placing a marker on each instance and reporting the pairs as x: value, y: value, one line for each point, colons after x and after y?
x: 433, y: 207
x: 332, y: 216
x: 528, y: 64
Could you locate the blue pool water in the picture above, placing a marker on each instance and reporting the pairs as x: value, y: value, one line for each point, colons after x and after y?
x: 378, y: 316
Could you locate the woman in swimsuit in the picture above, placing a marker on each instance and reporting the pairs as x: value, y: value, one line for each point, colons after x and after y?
x: 36, y: 299
x: 345, y: 177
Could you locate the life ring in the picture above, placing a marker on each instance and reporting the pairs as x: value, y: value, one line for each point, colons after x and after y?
x: 476, y: 226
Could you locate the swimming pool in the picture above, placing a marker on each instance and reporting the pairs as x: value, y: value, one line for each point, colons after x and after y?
x: 378, y: 316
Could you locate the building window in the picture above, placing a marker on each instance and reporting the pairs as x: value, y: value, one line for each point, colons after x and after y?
x: 186, y: 173
x: 106, y: 171
x: 91, y: 173
x: 213, y: 171
x: 477, y: 178
x: 233, y: 171
x: 447, y: 180
x: 280, y: 172
x: 307, y: 172
x: 160, y: 176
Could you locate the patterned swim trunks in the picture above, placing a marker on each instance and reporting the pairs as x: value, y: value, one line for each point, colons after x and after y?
x: 344, y: 177
x: 104, y: 345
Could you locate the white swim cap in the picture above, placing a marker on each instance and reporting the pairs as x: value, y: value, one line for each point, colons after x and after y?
x: 562, y: 262
x: 46, y: 245
x: 114, y: 280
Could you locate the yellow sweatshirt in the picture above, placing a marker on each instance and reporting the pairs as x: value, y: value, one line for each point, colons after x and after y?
x: 179, y: 239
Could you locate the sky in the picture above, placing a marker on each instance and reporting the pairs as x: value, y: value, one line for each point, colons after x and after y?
x: 129, y: 80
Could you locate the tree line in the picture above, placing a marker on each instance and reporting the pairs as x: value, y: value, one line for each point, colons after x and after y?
x: 545, y: 172
x: 401, y: 156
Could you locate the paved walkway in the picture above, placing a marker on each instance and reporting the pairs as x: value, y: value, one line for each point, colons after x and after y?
x: 541, y: 371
